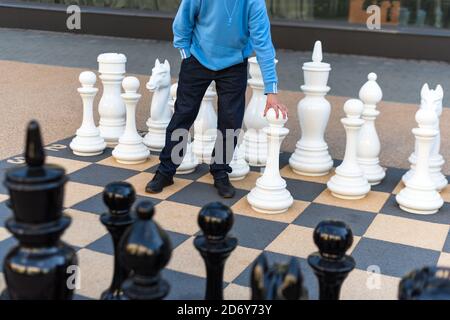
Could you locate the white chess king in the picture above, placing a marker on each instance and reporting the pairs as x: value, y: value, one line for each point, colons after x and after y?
x: 270, y: 195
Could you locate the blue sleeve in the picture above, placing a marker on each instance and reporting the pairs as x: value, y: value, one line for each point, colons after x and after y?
x: 183, y: 26
x: 261, y: 39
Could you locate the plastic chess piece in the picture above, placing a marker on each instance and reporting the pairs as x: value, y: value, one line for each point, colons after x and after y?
x: 311, y: 156
x: 131, y: 149
x: 429, y: 283
x: 349, y: 181
x: 270, y: 194
x: 118, y: 197
x: 88, y: 141
x: 279, y: 282
x: 331, y: 265
x: 190, y: 162
x: 240, y: 167
x: 420, y: 195
x: 160, y: 112
x: 369, y: 146
x: 111, y: 108
x: 215, y: 246
x: 145, y: 250
x: 40, y: 266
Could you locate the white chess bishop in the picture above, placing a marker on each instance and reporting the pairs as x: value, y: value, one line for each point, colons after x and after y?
x: 420, y: 195
x: 369, y: 145
x: 160, y: 111
x: 431, y: 99
x: 311, y: 156
x: 111, y: 107
x: 270, y: 195
x: 349, y: 182
x: 131, y: 148
x: 88, y: 141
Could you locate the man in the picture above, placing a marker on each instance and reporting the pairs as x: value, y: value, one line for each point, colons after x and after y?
x: 215, y: 39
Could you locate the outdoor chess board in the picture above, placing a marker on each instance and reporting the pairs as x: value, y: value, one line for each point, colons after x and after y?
x: 387, y: 240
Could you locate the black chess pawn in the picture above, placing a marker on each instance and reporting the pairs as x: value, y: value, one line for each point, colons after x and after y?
x: 331, y: 264
x: 215, y: 246
x: 41, y: 266
x: 118, y: 197
x: 429, y: 283
x: 279, y: 282
x: 145, y: 249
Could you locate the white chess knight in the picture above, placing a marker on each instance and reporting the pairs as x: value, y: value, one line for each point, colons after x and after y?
x: 255, y: 140
x: 160, y: 111
x: 431, y: 99
x: 88, y: 141
x: 349, y: 182
x: 111, y: 107
x: 369, y: 145
x: 420, y: 195
x: 205, y: 127
x: 270, y: 194
x: 131, y: 148
x: 311, y: 156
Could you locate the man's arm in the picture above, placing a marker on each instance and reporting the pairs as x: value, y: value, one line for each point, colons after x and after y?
x: 184, y: 25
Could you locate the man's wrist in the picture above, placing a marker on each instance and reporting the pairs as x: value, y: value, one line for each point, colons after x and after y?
x: 185, y: 53
x: 271, y: 88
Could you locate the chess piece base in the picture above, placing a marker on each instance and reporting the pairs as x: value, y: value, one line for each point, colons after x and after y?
x: 311, y: 162
x: 155, y: 139
x: 349, y: 187
x: 419, y: 202
x: 87, y: 147
x: 131, y: 154
x: 270, y: 200
x: 373, y: 172
x: 255, y: 146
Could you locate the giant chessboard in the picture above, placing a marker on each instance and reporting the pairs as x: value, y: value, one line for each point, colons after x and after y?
x: 388, y: 242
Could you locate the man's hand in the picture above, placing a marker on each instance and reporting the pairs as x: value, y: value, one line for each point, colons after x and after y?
x: 272, y: 103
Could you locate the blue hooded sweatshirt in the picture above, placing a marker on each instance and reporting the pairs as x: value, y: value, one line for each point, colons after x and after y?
x: 222, y: 33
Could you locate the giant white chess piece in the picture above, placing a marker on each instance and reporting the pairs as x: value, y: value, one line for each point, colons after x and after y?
x: 111, y: 107
x: 205, y: 128
x: 88, y: 141
x: 270, y: 194
x: 369, y: 146
x: 131, y: 148
x: 255, y: 140
x: 349, y: 182
x: 431, y: 99
x: 311, y: 156
x: 239, y: 166
x: 160, y: 111
x: 420, y: 195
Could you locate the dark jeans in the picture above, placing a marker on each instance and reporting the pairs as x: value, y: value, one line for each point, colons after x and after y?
x: 194, y: 80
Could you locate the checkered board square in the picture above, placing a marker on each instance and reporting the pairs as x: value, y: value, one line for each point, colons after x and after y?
x: 388, y: 243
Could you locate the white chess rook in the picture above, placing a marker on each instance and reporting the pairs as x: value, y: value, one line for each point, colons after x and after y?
x: 270, y: 195
x: 311, y: 156
x: 88, y: 141
x: 160, y: 111
x: 420, y: 195
x: 369, y: 145
x: 131, y: 148
x: 239, y: 166
x: 349, y: 182
x: 111, y: 107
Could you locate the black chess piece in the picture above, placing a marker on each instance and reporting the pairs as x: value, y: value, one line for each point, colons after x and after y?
x: 118, y: 197
x: 331, y: 265
x: 279, y: 282
x: 215, y: 246
x: 41, y: 266
x: 145, y: 249
x: 429, y: 283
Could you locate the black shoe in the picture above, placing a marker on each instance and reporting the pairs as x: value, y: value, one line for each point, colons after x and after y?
x: 224, y: 187
x: 158, y: 183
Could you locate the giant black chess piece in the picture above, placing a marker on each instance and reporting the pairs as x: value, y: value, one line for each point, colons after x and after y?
x: 41, y: 266
x: 145, y: 249
x: 215, y: 246
x: 118, y: 197
x: 331, y: 265
x: 278, y: 282
x: 429, y: 283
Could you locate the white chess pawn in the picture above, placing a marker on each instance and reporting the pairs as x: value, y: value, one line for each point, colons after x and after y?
x: 369, y: 146
x: 111, y: 107
x: 420, y: 195
x: 270, y: 194
x: 131, y: 149
x: 88, y: 141
x: 349, y: 182
x: 160, y: 111
x: 311, y: 156
x: 239, y: 166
